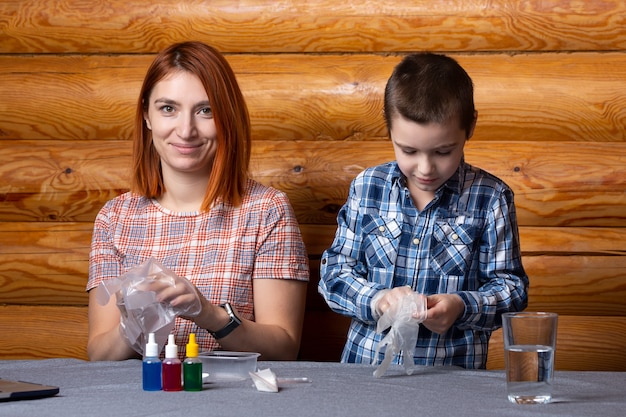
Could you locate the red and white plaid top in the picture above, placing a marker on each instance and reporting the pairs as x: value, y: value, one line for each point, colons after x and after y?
x: 220, y: 252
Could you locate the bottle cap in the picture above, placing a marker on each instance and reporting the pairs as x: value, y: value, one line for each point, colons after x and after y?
x: 152, y: 347
x: 171, y: 350
x: 192, y: 346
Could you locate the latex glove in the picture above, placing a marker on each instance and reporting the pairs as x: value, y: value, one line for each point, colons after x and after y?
x: 404, y: 319
x: 141, y: 312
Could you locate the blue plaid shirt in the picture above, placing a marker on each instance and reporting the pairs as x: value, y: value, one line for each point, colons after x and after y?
x: 464, y: 242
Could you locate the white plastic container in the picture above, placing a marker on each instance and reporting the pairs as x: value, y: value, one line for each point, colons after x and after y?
x: 228, y: 366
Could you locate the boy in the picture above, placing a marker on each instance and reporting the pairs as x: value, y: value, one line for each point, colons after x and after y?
x: 429, y: 223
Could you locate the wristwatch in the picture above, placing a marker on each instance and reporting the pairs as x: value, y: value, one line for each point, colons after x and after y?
x: 232, y: 324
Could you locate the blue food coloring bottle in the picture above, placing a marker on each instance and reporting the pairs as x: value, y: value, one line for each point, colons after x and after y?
x: 152, y: 366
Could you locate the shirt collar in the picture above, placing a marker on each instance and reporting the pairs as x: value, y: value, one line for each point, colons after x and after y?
x: 396, y: 176
x: 454, y: 183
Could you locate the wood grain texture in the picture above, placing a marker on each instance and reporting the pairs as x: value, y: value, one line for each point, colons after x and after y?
x: 557, y: 184
x: 47, y: 264
x: 526, y: 97
x: 549, y: 88
x: 584, y: 343
x: 40, y: 332
x: 535, y: 241
x: 76, y: 26
x: 44, y: 263
x: 61, y: 331
x: 567, y: 284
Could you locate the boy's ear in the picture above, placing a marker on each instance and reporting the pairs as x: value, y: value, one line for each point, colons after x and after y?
x: 470, y: 133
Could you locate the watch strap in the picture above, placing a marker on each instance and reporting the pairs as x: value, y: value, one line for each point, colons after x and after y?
x: 230, y: 326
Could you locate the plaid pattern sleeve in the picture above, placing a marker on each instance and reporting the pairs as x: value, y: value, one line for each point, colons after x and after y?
x: 464, y: 242
x: 221, y: 252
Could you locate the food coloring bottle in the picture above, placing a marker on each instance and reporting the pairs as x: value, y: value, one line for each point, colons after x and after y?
x: 172, y: 380
x: 192, y: 366
x: 151, y: 366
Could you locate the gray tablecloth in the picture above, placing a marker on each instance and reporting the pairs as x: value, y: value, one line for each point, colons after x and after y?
x: 114, y: 388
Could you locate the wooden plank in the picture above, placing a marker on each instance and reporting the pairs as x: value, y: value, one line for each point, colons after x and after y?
x: 47, y: 263
x: 559, y: 184
x: 61, y: 183
x: 584, y: 343
x: 566, y: 284
x: 62, y: 239
x: 570, y: 285
x: 577, y: 284
x: 295, y: 26
x: 535, y: 241
x: 44, y: 263
x: 523, y: 97
x: 591, y: 241
x: 314, y: 130
x: 39, y: 332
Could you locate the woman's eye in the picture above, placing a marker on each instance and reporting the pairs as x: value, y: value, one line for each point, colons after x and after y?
x: 444, y: 153
x: 206, y: 111
x: 166, y: 109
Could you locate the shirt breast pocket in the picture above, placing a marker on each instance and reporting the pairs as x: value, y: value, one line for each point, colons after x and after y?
x: 452, y: 247
x: 380, y: 241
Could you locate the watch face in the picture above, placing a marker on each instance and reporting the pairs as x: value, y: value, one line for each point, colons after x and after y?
x: 231, y: 312
x: 228, y: 308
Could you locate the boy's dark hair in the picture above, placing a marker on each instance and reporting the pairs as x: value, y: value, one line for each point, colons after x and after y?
x: 430, y: 88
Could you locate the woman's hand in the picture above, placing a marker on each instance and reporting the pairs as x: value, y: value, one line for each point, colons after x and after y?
x: 183, y: 296
x: 105, y: 341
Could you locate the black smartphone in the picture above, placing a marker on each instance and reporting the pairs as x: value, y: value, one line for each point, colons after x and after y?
x: 20, y: 390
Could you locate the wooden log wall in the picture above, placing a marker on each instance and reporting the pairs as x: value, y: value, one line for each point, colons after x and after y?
x: 550, y: 82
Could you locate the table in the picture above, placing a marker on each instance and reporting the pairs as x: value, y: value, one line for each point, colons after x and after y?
x: 114, y: 388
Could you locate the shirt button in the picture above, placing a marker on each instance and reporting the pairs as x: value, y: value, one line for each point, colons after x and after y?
x: 416, y: 241
x: 381, y: 228
x: 455, y: 236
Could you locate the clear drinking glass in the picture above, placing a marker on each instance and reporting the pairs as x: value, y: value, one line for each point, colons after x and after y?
x: 529, y: 346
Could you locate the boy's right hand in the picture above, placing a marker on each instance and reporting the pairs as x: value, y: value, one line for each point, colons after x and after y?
x: 386, y: 298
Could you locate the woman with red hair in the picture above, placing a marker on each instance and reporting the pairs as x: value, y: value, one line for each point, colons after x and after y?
x: 194, y: 208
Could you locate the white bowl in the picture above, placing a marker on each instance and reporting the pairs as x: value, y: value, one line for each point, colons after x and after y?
x: 222, y: 365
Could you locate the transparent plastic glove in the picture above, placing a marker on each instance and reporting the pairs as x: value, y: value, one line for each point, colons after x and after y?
x: 404, y: 319
x: 140, y: 311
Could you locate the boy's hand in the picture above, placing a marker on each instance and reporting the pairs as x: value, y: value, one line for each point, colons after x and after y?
x: 390, y: 297
x: 443, y: 311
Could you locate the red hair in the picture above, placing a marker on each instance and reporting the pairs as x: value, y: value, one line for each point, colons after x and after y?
x: 229, y: 171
